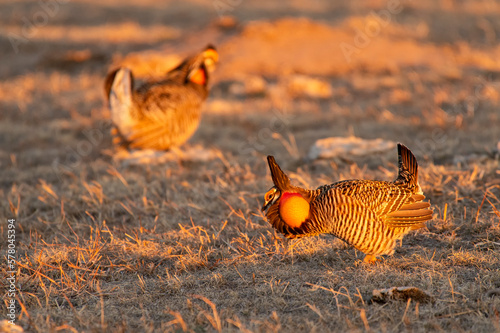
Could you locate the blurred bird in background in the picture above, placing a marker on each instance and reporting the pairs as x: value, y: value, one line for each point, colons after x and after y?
x: 160, y: 114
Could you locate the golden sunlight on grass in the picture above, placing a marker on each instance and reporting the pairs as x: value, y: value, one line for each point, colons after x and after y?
x: 179, y: 244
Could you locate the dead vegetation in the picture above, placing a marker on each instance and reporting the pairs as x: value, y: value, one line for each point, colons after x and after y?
x: 182, y: 245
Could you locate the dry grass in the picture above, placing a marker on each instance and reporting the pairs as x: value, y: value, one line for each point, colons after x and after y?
x: 182, y: 245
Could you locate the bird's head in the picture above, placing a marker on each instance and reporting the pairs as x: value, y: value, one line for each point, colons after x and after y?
x: 203, y: 65
x: 289, y: 200
x: 210, y: 58
x: 271, y: 197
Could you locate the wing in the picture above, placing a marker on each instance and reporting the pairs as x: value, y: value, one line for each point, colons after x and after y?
x: 380, y: 196
x: 347, y: 218
x: 166, y: 115
x: 395, y: 205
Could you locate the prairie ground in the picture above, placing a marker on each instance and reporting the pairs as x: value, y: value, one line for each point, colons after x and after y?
x: 181, y: 244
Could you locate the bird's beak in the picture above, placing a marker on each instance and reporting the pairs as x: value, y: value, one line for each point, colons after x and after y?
x: 266, y: 205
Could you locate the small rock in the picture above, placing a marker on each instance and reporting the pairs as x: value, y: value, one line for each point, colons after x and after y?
x: 226, y: 22
x: 493, y: 292
x: 304, y: 86
x: 350, y: 146
x: 7, y: 327
x: 471, y: 158
x: 249, y: 85
x: 401, y: 294
x: 221, y: 106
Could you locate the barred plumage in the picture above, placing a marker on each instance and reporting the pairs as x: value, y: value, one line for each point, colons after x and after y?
x: 159, y: 114
x: 369, y: 215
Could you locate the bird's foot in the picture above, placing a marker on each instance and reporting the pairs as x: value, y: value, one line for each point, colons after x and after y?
x: 371, y: 259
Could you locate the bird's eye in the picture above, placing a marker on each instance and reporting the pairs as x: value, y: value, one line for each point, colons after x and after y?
x: 269, y: 195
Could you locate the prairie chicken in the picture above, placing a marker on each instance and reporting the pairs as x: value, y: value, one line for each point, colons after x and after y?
x: 164, y: 113
x: 369, y: 215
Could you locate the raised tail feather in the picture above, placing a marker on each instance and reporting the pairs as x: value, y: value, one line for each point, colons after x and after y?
x: 280, y: 179
x: 119, y: 85
x: 415, y: 212
x: 408, y: 166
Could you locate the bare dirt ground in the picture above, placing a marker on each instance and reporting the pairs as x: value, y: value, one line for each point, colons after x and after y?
x: 181, y: 245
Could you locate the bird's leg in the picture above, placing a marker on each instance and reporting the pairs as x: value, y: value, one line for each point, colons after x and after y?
x: 370, y: 259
